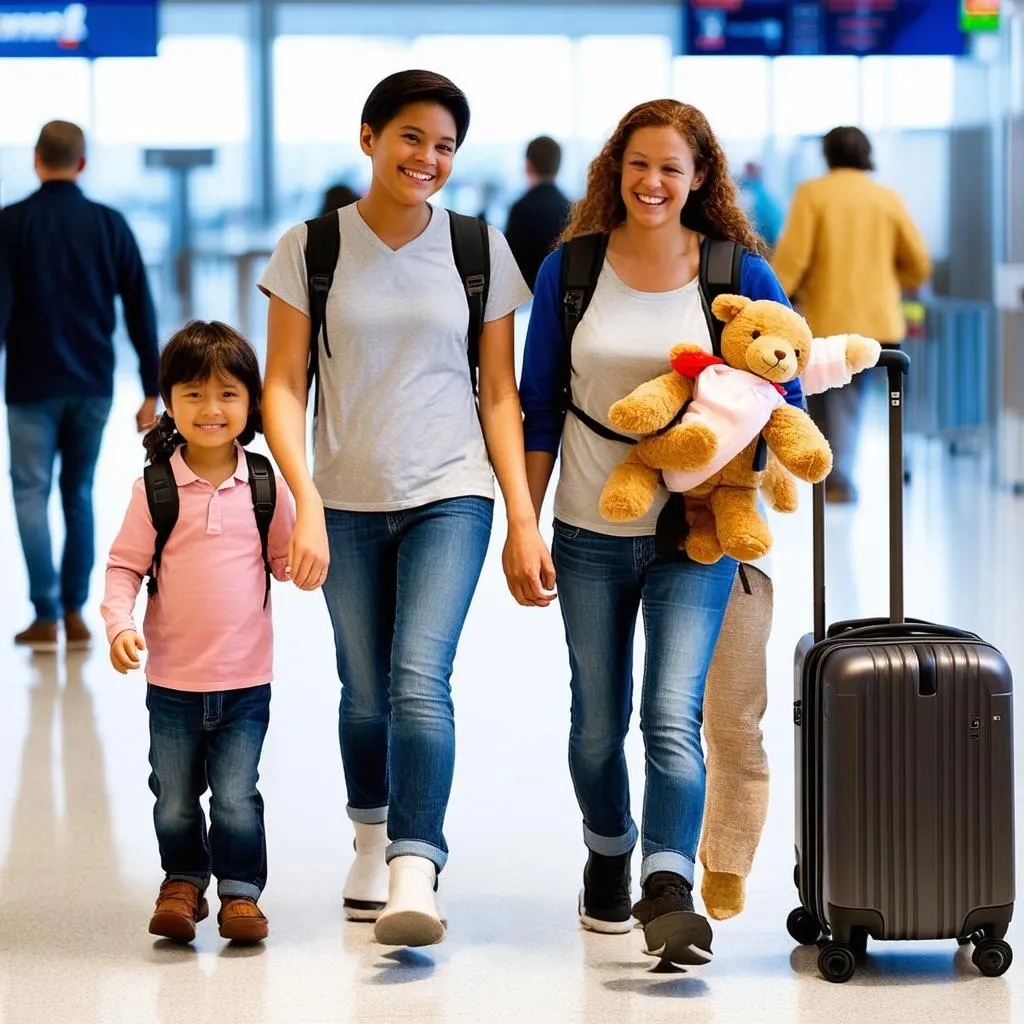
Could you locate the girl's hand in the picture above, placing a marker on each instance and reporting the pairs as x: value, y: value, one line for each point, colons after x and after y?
x: 528, y: 567
x: 124, y: 651
x: 308, y: 556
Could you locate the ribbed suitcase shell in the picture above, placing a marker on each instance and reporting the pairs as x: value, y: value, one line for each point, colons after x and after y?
x: 905, y: 786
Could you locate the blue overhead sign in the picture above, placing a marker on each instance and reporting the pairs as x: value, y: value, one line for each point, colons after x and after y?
x: 860, y: 28
x: 111, y: 28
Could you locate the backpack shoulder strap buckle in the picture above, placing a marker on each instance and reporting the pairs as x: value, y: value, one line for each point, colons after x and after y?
x: 320, y: 283
x: 573, y: 302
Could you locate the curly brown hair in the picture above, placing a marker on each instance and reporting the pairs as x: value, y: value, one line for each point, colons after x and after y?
x: 713, y: 209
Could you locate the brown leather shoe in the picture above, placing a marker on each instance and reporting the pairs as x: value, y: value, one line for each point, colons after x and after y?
x: 40, y: 636
x: 241, y: 920
x: 76, y: 633
x: 179, y: 908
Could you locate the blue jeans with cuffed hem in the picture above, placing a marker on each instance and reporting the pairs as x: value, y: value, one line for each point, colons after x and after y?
x: 200, y: 740
x: 604, y: 583
x: 398, y: 591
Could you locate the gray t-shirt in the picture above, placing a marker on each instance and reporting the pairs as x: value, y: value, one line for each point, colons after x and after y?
x: 397, y: 426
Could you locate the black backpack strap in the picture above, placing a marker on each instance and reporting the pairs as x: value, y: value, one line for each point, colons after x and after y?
x: 582, y: 260
x: 720, y: 263
x: 263, y: 486
x: 323, y: 246
x: 162, y: 498
x: 471, y: 247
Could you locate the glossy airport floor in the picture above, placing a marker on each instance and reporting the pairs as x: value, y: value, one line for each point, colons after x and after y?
x: 79, y: 866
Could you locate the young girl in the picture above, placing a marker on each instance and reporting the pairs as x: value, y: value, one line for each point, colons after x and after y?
x: 401, y: 498
x: 208, y: 632
x: 657, y: 190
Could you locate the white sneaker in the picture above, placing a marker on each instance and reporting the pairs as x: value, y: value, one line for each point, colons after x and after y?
x: 366, y: 888
x: 411, y: 917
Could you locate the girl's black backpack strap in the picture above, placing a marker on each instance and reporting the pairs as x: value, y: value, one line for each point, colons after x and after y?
x: 162, y: 498
x: 263, y: 486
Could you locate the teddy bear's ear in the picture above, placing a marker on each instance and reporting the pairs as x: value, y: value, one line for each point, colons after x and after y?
x: 726, y: 307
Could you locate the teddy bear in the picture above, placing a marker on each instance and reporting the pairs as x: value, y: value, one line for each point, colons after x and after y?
x: 703, y: 422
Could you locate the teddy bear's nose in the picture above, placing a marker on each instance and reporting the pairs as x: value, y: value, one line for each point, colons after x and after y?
x: 779, y: 354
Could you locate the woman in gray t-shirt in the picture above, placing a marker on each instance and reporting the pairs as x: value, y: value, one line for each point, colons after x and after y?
x: 400, y: 502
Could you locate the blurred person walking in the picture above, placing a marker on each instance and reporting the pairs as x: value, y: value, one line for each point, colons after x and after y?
x: 847, y: 250
x: 63, y: 261
x: 537, y: 218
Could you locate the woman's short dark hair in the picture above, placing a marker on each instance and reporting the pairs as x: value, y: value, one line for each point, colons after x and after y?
x: 403, y: 88
x: 847, y: 147
x: 200, y: 349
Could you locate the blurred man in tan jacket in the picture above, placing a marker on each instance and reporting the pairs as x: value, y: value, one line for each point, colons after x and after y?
x: 847, y: 250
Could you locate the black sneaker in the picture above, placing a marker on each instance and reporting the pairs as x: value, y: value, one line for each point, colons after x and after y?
x: 673, y: 932
x: 605, y: 898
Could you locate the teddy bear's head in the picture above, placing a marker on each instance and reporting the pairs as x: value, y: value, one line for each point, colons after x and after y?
x: 764, y: 337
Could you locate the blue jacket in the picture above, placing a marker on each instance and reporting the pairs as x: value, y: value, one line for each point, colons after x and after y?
x: 63, y: 261
x: 546, y: 359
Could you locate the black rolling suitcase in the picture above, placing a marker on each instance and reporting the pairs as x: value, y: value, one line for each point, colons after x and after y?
x: 904, y: 770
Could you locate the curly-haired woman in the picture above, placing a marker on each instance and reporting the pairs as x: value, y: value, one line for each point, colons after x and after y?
x: 658, y: 190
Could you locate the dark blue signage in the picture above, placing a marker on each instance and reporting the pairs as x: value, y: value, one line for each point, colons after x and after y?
x: 860, y: 28
x: 111, y: 28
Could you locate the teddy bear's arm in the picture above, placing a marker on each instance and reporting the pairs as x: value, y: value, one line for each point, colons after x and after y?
x: 630, y: 490
x: 834, y: 361
x: 800, y: 446
x: 653, y: 405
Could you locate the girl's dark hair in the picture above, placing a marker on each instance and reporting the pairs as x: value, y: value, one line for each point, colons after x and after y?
x: 713, y: 209
x: 403, y: 88
x: 200, y: 349
x: 847, y: 147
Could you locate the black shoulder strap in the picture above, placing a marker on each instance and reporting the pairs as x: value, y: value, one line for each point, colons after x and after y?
x: 720, y: 265
x: 162, y: 498
x: 263, y: 486
x: 582, y: 260
x: 471, y: 248
x: 323, y: 246
x: 721, y: 262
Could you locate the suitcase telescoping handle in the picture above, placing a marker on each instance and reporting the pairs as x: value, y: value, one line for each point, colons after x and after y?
x: 896, y: 364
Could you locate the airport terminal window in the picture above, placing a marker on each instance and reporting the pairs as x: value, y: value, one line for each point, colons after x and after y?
x: 615, y: 73
x: 195, y: 93
x: 46, y: 88
x: 920, y: 92
x: 810, y: 95
x: 733, y: 92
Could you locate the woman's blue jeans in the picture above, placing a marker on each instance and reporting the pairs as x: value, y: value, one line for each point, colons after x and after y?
x: 604, y: 582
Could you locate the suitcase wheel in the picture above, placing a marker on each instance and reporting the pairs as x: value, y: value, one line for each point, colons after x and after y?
x: 836, y: 963
x: 802, y: 927
x: 992, y: 957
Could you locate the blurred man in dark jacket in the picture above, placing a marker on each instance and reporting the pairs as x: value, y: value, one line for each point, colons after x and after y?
x: 538, y: 217
x: 63, y: 261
